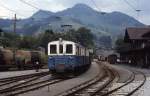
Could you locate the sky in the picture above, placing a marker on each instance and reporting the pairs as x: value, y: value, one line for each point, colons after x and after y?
x: 9, y: 7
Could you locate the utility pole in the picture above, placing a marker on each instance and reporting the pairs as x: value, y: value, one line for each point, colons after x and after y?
x: 15, y: 19
x: 14, y: 45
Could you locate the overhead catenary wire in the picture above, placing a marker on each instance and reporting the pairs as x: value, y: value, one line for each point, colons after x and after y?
x: 31, y: 5
x: 130, y: 5
x: 4, y: 17
x: 96, y: 5
x: 11, y: 10
x: 138, y: 10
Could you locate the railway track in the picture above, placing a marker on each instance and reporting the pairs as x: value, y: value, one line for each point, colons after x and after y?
x: 93, y: 86
x: 128, y: 88
x: 108, y: 85
x: 104, y: 84
x: 20, y: 80
x: 21, y: 84
x: 29, y: 85
x: 21, y: 77
x: 11, y: 85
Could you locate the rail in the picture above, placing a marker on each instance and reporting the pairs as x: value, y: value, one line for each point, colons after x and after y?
x: 107, y: 78
x: 130, y: 81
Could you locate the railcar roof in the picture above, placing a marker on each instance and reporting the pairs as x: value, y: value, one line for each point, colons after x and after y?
x: 52, y: 42
x: 55, y: 42
x: 71, y: 42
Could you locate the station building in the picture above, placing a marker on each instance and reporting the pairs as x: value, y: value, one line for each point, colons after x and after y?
x: 137, y: 51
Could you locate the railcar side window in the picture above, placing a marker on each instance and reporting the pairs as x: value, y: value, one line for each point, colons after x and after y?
x: 69, y: 48
x: 60, y: 48
x: 77, y: 50
x: 53, y: 49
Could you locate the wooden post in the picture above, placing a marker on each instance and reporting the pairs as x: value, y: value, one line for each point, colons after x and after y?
x: 15, y: 19
x: 14, y: 50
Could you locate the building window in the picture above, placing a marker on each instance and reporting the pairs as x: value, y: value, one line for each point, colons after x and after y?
x: 60, y: 49
x: 143, y: 45
x: 69, y: 48
x: 53, y: 49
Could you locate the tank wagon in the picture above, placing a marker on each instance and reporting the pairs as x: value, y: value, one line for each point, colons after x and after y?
x: 67, y: 57
x: 21, y: 59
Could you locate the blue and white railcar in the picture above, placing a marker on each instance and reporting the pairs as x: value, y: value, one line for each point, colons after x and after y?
x: 67, y: 56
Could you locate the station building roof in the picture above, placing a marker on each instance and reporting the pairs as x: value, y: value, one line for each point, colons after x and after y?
x: 137, y: 33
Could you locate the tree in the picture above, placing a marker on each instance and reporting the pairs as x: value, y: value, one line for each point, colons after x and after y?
x: 70, y: 35
x: 49, y: 32
x: 27, y: 42
x: 85, y: 37
x: 120, y: 45
x: 82, y: 35
x: 46, y: 37
x: 1, y: 30
x: 8, y: 39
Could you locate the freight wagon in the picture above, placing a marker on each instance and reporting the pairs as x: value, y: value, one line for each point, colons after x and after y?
x: 21, y: 59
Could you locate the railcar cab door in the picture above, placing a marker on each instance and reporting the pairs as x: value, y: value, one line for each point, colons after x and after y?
x: 52, y: 53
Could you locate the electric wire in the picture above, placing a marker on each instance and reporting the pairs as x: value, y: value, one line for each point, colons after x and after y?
x: 135, y: 9
x: 31, y: 5
x: 130, y: 5
x: 11, y: 10
x: 96, y: 5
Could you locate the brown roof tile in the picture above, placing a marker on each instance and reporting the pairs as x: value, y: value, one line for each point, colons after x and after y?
x: 138, y: 33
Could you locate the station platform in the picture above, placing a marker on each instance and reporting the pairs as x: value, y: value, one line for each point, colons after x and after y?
x: 55, y: 89
x: 19, y: 73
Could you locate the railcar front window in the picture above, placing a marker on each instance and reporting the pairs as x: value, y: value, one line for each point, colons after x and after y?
x: 60, y: 48
x: 53, y: 49
x: 69, y: 49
